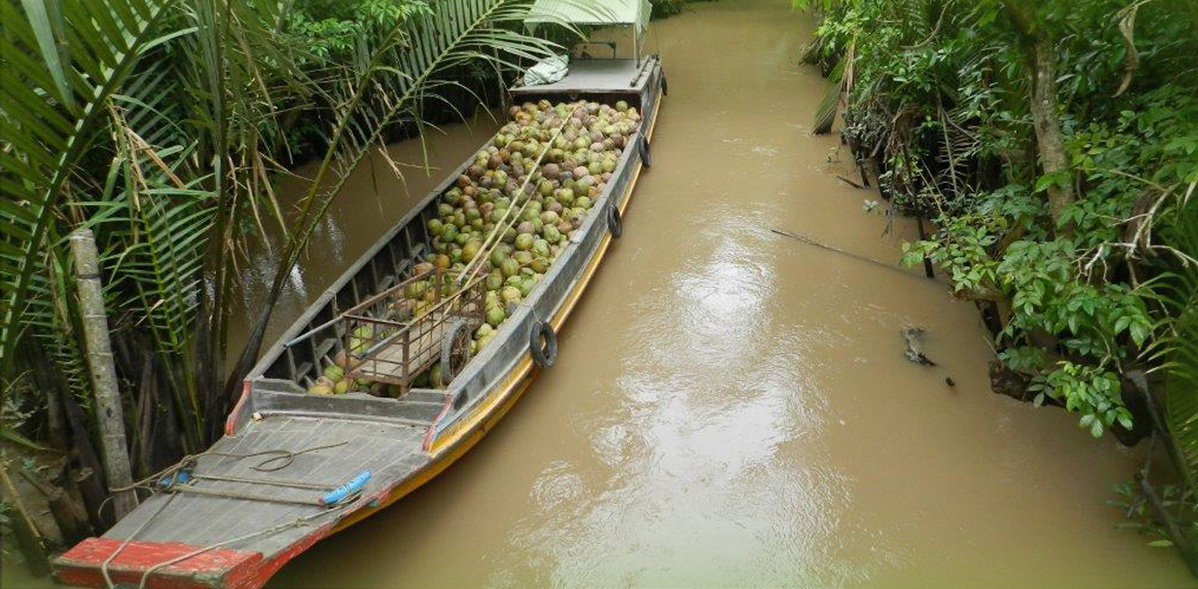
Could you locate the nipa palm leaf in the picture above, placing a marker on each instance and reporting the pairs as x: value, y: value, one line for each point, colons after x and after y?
x: 65, y: 60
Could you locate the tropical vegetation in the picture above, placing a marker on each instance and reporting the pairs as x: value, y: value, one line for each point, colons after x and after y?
x: 165, y: 127
x: 1054, y: 145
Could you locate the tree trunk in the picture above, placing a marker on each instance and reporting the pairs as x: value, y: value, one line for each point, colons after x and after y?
x: 109, y: 413
x: 28, y: 537
x: 1049, y: 143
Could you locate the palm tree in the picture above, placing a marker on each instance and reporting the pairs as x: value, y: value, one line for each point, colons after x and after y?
x: 161, y: 125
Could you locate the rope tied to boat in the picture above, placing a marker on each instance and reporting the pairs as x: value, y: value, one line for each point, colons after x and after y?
x: 173, y: 481
x: 169, y: 476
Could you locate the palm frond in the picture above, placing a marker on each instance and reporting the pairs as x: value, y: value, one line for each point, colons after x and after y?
x: 54, y: 100
x: 1181, y: 392
x: 825, y: 112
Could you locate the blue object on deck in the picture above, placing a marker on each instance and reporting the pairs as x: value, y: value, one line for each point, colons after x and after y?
x: 179, y: 477
x: 340, y: 493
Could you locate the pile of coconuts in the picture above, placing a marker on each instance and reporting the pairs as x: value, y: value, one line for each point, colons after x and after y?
x: 581, y: 143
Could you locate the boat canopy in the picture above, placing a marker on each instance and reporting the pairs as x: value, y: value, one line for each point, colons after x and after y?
x: 633, y: 13
x: 628, y: 13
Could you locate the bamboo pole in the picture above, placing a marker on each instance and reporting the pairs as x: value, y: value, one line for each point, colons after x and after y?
x: 99, y: 356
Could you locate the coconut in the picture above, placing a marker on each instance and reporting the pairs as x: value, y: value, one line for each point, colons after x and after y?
x: 441, y: 262
x: 495, y: 316
x: 334, y: 372
x: 540, y: 247
x: 523, y: 258
x: 510, y: 294
x: 509, y: 267
x: 495, y: 280
x: 552, y: 235
x: 583, y: 202
x: 341, y: 387
x: 471, y: 249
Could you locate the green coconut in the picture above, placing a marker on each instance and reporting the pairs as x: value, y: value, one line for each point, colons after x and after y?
x: 510, y: 294
x: 552, y: 235
x: 539, y: 265
x: 509, y: 267
x: 334, y: 372
x: 583, y: 202
x: 524, y: 241
x: 341, y: 387
x: 540, y: 247
x: 471, y: 249
x: 495, y: 316
x: 498, y: 254
x: 495, y: 280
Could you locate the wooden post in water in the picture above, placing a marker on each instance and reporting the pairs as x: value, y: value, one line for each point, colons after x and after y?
x: 99, y: 358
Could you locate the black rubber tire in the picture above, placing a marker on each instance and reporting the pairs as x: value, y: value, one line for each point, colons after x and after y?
x: 543, y: 356
x: 642, y: 147
x: 456, y: 329
x: 614, y: 223
x: 665, y: 86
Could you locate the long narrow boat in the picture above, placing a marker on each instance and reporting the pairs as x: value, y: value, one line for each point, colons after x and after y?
x: 357, y: 453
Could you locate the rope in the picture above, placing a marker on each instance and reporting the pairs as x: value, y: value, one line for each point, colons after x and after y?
x: 189, y: 461
x: 145, y: 577
x: 107, y: 561
x: 812, y: 242
x: 267, y: 482
x: 286, y: 456
x: 238, y: 495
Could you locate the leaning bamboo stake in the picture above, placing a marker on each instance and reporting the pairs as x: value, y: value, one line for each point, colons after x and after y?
x: 103, y: 372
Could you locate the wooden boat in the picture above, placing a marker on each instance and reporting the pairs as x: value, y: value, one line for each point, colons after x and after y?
x: 327, y: 462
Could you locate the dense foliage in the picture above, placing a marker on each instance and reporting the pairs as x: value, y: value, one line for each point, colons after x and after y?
x: 1055, y: 146
x: 163, y: 126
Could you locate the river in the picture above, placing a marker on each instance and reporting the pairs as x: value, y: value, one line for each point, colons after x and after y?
x: 731, y: 406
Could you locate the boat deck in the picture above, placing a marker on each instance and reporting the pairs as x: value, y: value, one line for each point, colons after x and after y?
x: 388, y: 451
x: 596, y: 76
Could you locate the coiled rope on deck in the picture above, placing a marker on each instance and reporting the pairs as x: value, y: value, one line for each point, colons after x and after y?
x: 168, y: 478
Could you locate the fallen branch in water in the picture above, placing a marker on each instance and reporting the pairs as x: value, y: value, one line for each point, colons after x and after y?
x: 850, y: 182
x: 809, y: 241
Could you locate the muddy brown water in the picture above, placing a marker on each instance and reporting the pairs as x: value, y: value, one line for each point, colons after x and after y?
x: 731, y: 407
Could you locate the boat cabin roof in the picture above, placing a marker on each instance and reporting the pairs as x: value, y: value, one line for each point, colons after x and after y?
x: 595, y: 76
x: 609, y: 12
